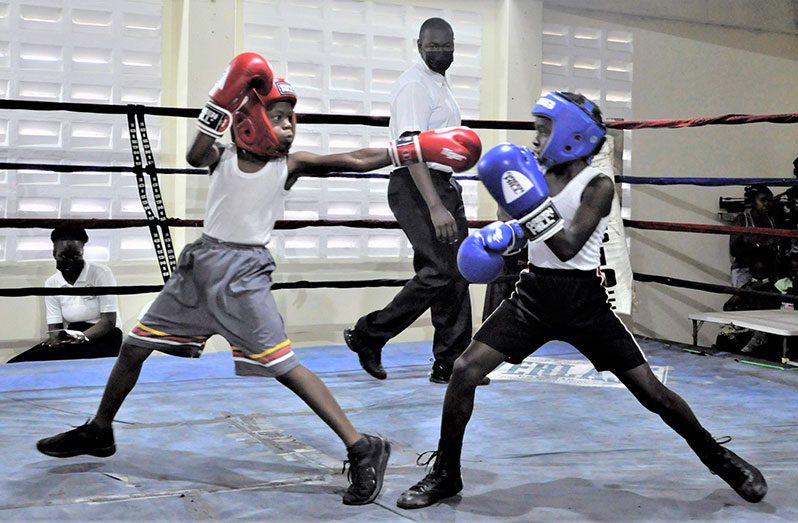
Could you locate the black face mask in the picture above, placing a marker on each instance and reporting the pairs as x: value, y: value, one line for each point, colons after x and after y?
x: 438, y: 61
x: 70, y: 268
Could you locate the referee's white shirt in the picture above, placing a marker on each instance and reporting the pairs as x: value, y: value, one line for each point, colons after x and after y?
x: 421, y: 100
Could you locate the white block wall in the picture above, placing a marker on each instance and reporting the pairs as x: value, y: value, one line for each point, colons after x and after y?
x: 86, y: 51
x: 598, y: 63
x: 343, y: 57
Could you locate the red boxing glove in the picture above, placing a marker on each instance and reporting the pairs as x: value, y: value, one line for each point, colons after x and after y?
x: 457, y: 147
x: 246, y: 71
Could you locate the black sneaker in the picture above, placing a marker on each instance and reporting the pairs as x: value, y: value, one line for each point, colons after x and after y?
x: 367, y: 461
x: 442, y: 372
x: 86, y: 439
x: 744, y: 478
x: 440, y: 483
x: 370, y: 359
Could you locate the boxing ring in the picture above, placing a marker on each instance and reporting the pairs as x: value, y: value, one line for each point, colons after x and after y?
x: 197, y: 443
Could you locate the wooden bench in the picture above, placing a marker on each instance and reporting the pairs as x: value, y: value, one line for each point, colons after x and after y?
x: 779, y: 322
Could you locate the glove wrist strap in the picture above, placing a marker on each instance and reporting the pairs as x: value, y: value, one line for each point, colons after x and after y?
x: 214, y: 120
x: 405, y: 150
x: 519, y: 239
x: 543, y: 222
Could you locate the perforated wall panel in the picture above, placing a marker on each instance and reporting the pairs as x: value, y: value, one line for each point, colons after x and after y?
x: 343, y: 57
x: 92, y: 51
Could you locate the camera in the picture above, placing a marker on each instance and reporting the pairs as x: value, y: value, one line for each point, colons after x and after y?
x: 731, y: 205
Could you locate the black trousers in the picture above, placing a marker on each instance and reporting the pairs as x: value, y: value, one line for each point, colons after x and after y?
x: 103, y: 347
x: 437, y: 284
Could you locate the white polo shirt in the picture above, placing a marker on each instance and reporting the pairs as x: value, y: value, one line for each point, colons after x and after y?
x: 69, y: 309
x: 421, y: 100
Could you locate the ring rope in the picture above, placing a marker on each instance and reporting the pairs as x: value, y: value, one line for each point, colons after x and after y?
x: 70, y: 168
x: 726, y: 119
x: 152, y: 170
x: 382, y: 121
x: 707, y: 182
x: 710, y: 229
x: 634, y: 180
x: 95, y: 223
x: 356, y: 284
x: 711, y: 287
x: 307, y: 118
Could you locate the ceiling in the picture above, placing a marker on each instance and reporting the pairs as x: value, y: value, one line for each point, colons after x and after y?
x: 772, y: 16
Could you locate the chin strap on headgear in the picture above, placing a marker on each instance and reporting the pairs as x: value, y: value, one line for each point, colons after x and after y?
x: 574, y: 132
x: 252, y: 128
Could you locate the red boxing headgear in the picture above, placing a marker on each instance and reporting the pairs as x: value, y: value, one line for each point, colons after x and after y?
x: 251, y: 126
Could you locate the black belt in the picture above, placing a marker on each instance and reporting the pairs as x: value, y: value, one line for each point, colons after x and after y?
x: 570, y: 273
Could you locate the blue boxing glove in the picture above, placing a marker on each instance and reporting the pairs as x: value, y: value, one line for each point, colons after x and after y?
x: 505, y: 238
x: 512, y: 176
x: 480, y: 255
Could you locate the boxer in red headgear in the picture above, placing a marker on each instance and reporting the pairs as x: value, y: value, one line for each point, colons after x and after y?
x: 252, y: 129
x: 222, y: 284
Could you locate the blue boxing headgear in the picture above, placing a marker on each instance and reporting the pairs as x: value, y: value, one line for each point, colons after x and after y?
x: 574, y: 133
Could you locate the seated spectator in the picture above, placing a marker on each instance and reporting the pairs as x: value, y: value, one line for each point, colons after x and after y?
x: 789, y: 283
x: 759, y: 212
x: 788, y: 219
x: 78, y: 326
x: 762, y: 279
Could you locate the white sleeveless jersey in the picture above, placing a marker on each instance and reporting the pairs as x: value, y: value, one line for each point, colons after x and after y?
x: 567, y: 201
x: 242, y: 207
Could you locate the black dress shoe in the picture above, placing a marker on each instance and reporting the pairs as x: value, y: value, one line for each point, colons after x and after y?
x: 370, y: 359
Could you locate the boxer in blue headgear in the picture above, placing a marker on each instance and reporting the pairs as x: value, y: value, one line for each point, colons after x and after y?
x: 577, y: 130
x: 563, y: 213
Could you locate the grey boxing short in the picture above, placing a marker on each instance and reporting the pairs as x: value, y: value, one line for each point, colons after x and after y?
x: 220, y: 288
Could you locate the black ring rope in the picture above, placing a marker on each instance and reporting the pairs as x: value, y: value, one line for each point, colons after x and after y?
x: 711, y: 287
x: 75, y: 107
x: 356, y: 284
x: 95, y: 223
x: 139, y: 289
x: 69, y: 168
x: 184, y: 112
x: 634, y: 180
x: 56, y: 167
x: 382, y: 121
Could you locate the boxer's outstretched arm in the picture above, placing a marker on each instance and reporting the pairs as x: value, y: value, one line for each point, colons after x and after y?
x: 361, y: 161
